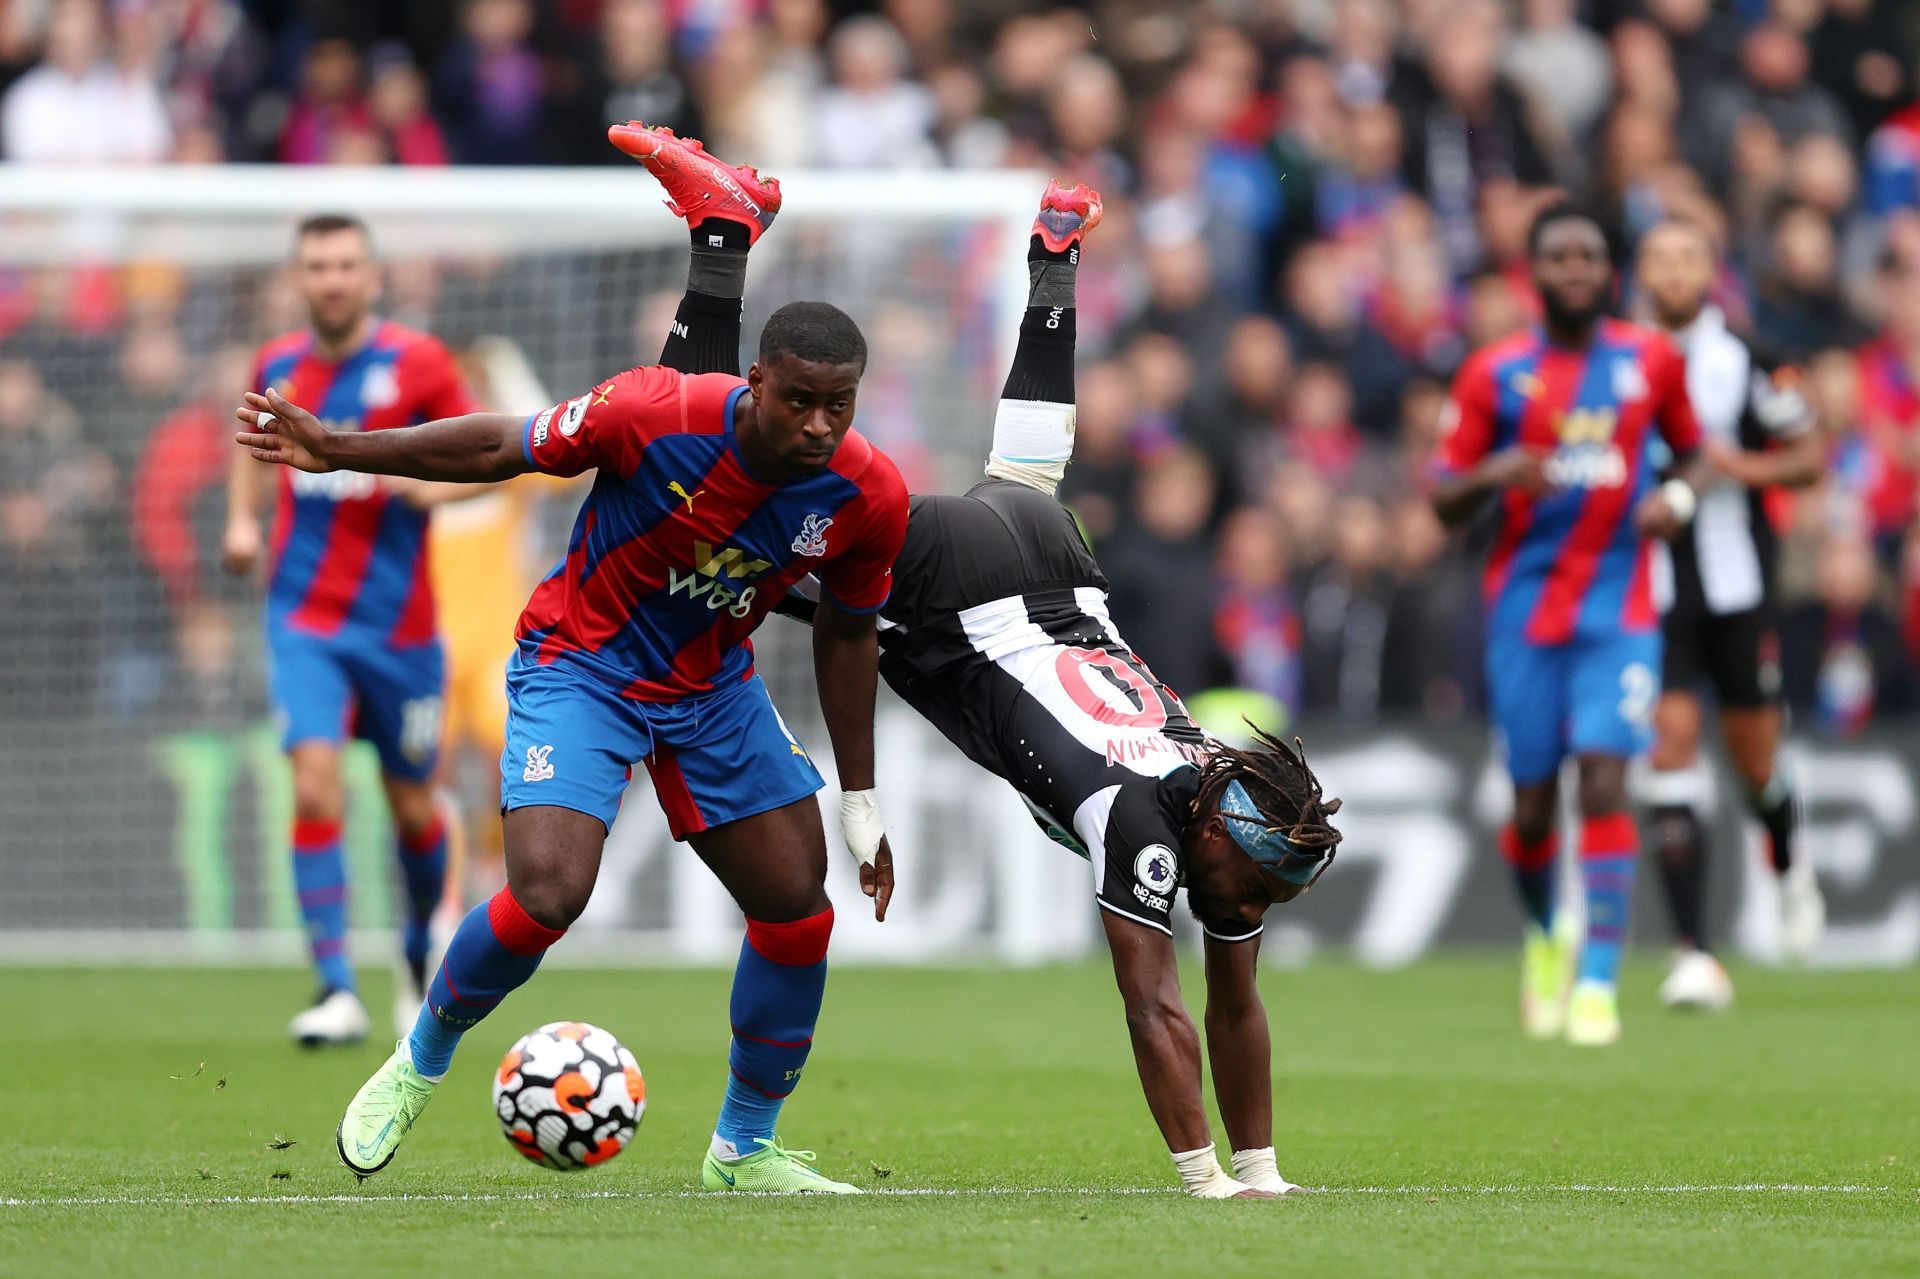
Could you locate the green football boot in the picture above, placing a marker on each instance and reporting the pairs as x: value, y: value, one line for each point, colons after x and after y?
x: 381, y: 1113
x: 1593, y: 1016
x: 774, y: 1170
x: 1546, y: 973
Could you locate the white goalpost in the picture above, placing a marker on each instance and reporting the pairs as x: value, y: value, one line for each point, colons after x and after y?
x: 145, y: 800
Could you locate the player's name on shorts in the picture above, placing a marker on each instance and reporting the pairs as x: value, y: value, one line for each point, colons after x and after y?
x: 1127, y: 750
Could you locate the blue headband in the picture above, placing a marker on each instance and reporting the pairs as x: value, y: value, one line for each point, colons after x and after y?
x: 1271, y: 849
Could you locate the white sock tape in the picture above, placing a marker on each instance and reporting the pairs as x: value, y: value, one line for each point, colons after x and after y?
x: 1033, y: 431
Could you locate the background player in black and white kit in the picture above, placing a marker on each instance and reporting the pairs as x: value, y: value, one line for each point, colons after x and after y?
x: 1716, y: 588
x: 998, y: 633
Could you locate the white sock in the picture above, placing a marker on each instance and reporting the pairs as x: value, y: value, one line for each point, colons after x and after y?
x: 1258, y: 1169
x: 722, y: 1149
x: 1203, y: 1176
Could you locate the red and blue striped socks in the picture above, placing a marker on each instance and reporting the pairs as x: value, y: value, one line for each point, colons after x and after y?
x: 777, y: 988
x: 494, y: 951
x: 1609, y: 853
x: 320, y: 879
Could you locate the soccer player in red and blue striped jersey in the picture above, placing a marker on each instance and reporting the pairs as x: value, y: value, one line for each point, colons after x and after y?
x: 713, y: 495
x: 1569, y: 423
x: 351, y: 638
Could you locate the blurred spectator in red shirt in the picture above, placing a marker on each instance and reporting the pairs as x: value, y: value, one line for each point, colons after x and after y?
x: 330, y: 105
x: 398, y: 99
x: 1882, y: 465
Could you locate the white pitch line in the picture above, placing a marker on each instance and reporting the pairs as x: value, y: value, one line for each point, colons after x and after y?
x: 983, y: 1192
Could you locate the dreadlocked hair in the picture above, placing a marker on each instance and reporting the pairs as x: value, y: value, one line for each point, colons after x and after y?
x: 1278, y: 781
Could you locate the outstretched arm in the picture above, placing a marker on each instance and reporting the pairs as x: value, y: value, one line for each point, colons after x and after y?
x: 1166, y: 1051
x: 476, y: 448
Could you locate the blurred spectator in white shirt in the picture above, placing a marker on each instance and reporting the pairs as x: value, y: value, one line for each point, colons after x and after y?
x: 1562, y: 65
x: 76, y: 107
x: 873, y: 117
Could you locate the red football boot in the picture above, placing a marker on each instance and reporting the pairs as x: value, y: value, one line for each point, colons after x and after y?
x: 1066, y: 215
x: 699, y: 186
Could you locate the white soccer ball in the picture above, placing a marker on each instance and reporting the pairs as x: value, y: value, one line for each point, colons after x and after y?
x: 569, y: 1096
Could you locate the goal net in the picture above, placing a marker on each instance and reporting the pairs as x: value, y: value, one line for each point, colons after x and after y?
x: 146, y: 804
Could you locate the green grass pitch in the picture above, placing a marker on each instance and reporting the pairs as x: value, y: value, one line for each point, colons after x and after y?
x: 1782, y: 1139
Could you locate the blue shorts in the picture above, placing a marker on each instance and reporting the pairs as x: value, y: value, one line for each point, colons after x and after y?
x: 1590, y: 696
x: 572, y: 742
x: 328, y: 687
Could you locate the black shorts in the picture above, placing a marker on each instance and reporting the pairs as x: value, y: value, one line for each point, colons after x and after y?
x: 1737, y: 653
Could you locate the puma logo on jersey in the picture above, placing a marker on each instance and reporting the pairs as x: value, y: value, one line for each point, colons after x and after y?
x: 679, y: 491
x: 602, y: 393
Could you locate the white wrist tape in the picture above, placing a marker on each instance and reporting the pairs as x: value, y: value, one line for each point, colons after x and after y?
x: 1203, y: 1176
x: 1681, y: 499
x: 860, y: 824
x: 1258, y: 1169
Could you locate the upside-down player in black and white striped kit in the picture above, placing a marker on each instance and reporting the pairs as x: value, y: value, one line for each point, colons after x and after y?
x: 1716, y: 591
x: 998, y: 633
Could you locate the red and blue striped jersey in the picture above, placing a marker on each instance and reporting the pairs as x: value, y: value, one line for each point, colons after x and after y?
x: 678, y: 551
x: 347, y: 555
x: 1569, y: 562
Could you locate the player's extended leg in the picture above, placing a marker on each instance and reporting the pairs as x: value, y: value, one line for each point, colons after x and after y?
x: 727, y: 208
x: 553, y: 857
x: 571, y: 742
x: 775, y: 865
x: 1033, y: 426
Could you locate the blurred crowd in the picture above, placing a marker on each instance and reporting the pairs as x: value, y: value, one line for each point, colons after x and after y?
x: 1315, y: 208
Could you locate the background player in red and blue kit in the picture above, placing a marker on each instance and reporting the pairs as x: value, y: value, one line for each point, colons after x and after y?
x: 1562, y: 422
x: 351, y: 641
x: 713, y: 496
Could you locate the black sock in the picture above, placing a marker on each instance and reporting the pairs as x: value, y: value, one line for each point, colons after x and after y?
x: 1680, y: 844
x: 705, y: 337
x: 1043, y: 360
x: 1777, y: 811
x: 719, y: 259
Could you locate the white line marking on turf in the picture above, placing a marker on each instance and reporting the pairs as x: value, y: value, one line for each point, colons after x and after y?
x: 906, y: 1192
